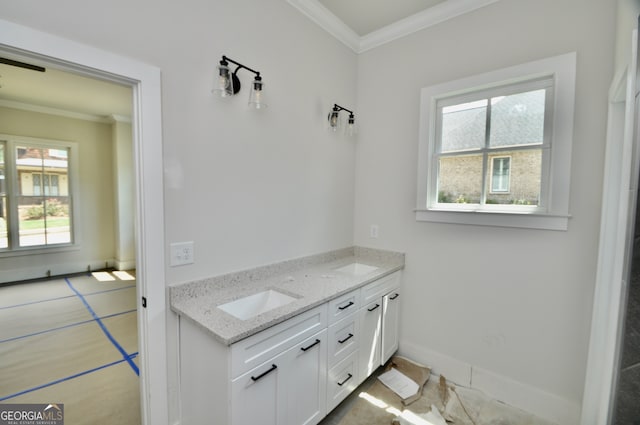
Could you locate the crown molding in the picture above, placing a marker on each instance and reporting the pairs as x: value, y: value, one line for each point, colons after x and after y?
x: 322, y: 16
x: 63, y: 112
x: 449, y: 9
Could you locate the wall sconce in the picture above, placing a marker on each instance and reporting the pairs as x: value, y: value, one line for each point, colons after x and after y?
x: 228, y: 84
x: 334, y: 119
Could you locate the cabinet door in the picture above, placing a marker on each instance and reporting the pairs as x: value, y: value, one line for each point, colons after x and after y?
x: 257, y: 397
x: 390, y: 324
x: 306, y: 381
x: 370, y: 330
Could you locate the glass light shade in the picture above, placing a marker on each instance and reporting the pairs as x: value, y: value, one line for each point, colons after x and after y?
x: 333, y: 120
x: 256, y: 94
x: 351, y: 130
x: 223, y: 82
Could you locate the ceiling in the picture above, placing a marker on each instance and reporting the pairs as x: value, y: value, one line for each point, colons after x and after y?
x: 365, y: 24
x: 366, y: 16
x: 63, y: 93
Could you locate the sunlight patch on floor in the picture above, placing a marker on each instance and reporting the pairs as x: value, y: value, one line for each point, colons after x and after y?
x: 103, y: 276
x: 122, y: 275
x: 407, y: 415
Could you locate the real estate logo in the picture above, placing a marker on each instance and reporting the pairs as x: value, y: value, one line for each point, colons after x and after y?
x: 32, y: 414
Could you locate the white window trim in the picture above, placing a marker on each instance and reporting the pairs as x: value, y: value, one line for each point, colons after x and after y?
x: 74, y: 189
x: 556, y: 214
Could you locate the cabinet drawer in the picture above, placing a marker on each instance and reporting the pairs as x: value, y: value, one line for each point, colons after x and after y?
x: 380, y: 287
x: 344, y: 305
x: 344, y: 337
x: 342, y: 379
x: 258, y: 348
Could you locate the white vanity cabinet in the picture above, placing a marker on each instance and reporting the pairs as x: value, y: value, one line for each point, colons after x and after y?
x: 292, y: 373
x: 274, y: 377
x: 378, y: 319
x: 288, y: 389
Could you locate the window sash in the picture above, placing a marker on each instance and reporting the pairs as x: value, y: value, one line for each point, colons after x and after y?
x: 56, y: 228
x: 543, y: 83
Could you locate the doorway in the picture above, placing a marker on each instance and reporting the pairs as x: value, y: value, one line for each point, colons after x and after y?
x: 144, y: 81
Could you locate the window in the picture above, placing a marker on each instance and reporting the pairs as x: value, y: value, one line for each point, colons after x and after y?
x: 495, y: 148
x: 35, y: 193
x: 500, y: 174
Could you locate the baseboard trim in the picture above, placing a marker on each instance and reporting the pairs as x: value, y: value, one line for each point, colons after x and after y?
x: 543, y: 404
x: 51, y: 270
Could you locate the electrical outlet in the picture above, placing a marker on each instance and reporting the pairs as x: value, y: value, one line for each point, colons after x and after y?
x: 373, y: 231
x: 181, y: 253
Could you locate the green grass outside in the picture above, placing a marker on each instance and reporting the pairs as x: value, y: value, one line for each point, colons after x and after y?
x: 39, y: 224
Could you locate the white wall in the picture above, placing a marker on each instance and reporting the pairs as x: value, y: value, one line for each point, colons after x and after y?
x: 94, y: 226
x: 124, y: 196
x: 248, y: 188
x: 513, y: 304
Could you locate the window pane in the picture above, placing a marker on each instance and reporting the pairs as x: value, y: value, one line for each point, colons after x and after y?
x: 43, y: 217
x: 460, y: 179
x: 519, y: 174
x: 464, y: 126
x: 44, y: 221
x: 517, y: 119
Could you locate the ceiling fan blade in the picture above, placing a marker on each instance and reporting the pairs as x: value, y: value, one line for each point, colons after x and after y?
x: 21, y: 64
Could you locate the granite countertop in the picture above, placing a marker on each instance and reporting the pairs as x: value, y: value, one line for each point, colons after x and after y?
x: 311, y: 280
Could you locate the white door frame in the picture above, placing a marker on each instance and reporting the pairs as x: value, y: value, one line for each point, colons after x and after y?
x: 147, y: 141
x: 616, y: 236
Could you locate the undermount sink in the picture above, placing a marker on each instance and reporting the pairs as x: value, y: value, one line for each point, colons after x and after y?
x: 253, y: 305
x: 356, y: 269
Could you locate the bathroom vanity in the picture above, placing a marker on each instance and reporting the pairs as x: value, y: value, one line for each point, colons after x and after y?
x: 285, y: 344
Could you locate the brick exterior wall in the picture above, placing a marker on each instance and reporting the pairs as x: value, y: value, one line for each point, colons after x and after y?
x: 461, y: 179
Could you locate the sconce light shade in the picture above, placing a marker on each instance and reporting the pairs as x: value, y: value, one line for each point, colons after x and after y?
x: 256, y: 95
x: 335, y: 122
x: 352, y: 130
x: 224, y: 81
x: 334, y: 119
x: 227, y: 83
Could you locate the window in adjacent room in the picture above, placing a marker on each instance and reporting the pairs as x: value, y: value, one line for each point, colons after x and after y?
x: 35, y: 194
x: 495, y: 148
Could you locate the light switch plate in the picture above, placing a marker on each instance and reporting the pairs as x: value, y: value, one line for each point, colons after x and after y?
x: 181, y: 253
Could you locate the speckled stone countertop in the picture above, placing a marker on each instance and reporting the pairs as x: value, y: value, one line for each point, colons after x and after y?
x: 311, y: 280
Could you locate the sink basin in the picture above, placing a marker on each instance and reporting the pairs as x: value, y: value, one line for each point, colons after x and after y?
x: 356, y: 269
x: 252, y: 305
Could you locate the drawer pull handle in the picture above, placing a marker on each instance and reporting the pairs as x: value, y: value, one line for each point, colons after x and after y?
x: 345, y: 381
x: 395, y: 296
x: 373, y: 308
x: 312, y: 345
x: 346, y: 339
x: 263, y: 374
x: 344, y: 307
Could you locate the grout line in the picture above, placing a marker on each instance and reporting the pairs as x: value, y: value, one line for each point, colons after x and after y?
x: 77, y: 375
x: 104, y: 329
x: 66, y: 296
x: 64, y: 327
